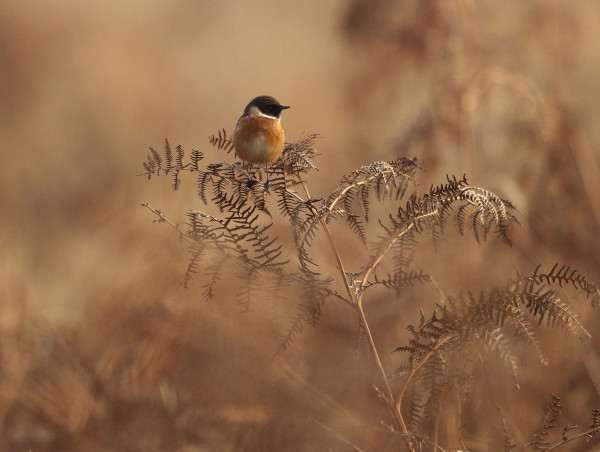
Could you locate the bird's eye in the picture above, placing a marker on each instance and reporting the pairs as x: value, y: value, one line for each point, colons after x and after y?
x: 272, y: 110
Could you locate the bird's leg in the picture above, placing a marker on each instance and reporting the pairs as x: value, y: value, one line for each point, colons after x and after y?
x: 267, y: 171
x: 252, y: 181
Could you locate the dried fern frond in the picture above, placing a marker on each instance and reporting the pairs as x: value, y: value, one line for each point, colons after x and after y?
x: 230, y: 187
x: 240, y: 243
x: 494, y: 319
x: 221, y: 141
x: 230, y: 184
x: 413, y: 405
x: 386, y: 179
x: 432, y: 377
x: 507, y: 439
x: 430, y: 335
x: 399, y: 280
x: 154, y: 163
x: 565, y: 276
x: 545, y: 303
x: 309, y: 310
x: 553, y: 412
x: 213, y: 273
x: 239, y: 235
x: 305, y: 231
x: 238, y: 246
x: 241, y: 249
x: 430, y: 212
x: 495, y: 340
x: 286, y: 172
x: 358, y: 227
x: 594, y: 426
x: 297, y: 157
x: 196, y: 251
x: 404, y: 251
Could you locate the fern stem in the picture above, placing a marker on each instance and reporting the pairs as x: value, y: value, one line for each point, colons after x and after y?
x: 339, y: 261
x: 399, y: 421
x: 591, y: 431
x: 379, y: 258
x: 352, y: 186
x: 391, y: 243
x: 416, y: 368
x: 334, y: 248
x: 163, y: 219
x: 389, y: 396
x: 437, y: 446
x: 305, y: 189
x: 357, y: 303
x: 338, y: 435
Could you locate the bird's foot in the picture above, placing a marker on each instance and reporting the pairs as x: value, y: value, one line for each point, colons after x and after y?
x: 251, y: 183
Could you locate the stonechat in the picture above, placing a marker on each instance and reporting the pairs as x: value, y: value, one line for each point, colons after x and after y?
x: 258, y: 136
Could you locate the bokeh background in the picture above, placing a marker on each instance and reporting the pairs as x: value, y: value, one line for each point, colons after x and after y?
x: 102, y: 350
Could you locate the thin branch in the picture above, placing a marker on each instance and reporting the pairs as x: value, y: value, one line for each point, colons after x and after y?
x: 344, y: 299
x: 339, y: 261
x: 163, y: 219
x: 356, y: 303
x: 389, y: 396
x: 437, y: 446
x: 333, y: 247
x: 416, y: 368
x: 329, y: 429
x: 382, y: 253
x: 565, y: 441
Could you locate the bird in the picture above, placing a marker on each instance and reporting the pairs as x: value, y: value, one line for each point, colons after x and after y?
x: 258, y: 136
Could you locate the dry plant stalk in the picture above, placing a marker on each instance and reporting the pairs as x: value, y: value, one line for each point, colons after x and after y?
x: 239, y: 241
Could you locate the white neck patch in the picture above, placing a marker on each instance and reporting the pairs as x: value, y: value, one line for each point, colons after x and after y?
x: 267, y: 116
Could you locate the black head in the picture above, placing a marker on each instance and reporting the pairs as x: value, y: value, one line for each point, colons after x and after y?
x: 266, y: 105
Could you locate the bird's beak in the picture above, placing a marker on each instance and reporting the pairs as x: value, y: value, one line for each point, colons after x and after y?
x: 283, y: 107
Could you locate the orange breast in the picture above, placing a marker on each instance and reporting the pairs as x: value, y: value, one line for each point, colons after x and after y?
x: 257, y: 139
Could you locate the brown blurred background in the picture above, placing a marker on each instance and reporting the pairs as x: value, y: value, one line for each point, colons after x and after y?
x: 102, y: 350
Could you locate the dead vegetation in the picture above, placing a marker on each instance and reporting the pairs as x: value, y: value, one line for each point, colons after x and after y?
x: 424, y: 330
